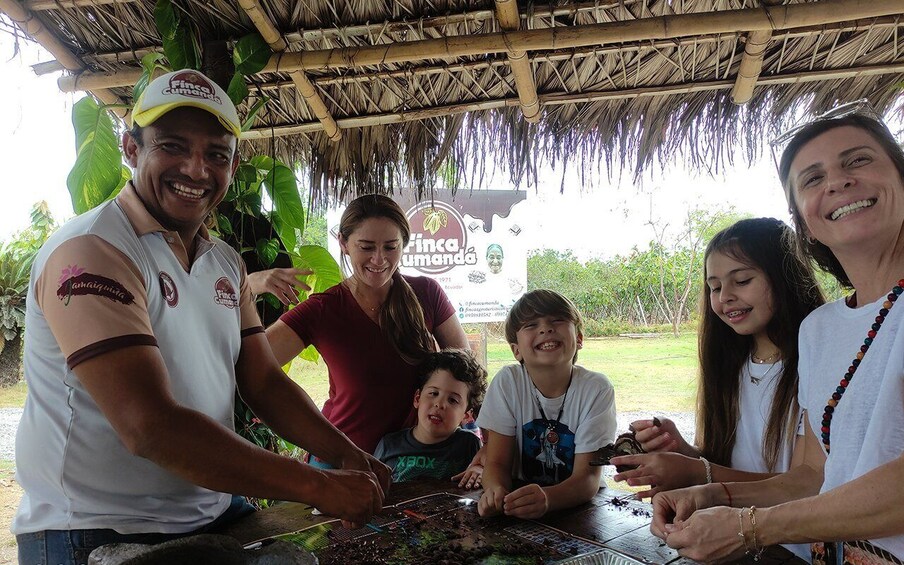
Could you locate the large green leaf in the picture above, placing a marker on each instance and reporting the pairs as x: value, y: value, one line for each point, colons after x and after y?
x: 252, y: 113
x: 282, y: 187
x: 149, y: 63
x: 97, y: 171
x: 237, y: 89
x: 286, y: 233
x: 326, y: 271
x: 251, y: 54
x: 267, y: 250
x: 179, y: 43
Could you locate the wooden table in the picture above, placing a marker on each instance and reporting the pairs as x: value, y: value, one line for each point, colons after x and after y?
x: 623, y: 525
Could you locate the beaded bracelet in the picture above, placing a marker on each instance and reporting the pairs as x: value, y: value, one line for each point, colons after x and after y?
x: 709, y: 470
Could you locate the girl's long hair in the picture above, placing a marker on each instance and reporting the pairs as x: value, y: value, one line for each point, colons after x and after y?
x: 764, y: 243
x: 401, y: 318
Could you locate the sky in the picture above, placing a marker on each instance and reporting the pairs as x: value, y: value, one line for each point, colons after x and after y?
x: 37, y: 149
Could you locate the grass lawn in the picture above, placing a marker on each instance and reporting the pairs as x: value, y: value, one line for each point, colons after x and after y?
x: 655, y: 374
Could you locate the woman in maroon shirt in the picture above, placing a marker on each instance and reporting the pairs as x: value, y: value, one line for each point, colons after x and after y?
x: 373, y: 328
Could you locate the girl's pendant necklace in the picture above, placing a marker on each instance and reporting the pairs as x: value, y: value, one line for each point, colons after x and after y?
x: 552, y: 436
x: 756, y: 379
x: 849, y: 375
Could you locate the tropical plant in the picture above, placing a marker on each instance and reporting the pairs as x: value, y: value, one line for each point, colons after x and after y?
x: 16, y: 258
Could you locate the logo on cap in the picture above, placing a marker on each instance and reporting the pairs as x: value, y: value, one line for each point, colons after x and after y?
x: 193, y: 85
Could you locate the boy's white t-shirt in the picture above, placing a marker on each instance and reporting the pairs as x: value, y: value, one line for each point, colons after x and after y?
x: 547, y: 447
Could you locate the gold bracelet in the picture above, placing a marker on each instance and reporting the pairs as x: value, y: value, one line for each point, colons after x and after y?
x: 741, y: 531
x: 757, y: 551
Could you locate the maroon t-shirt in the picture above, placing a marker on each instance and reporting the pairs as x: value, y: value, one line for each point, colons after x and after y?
x: 371, y: 386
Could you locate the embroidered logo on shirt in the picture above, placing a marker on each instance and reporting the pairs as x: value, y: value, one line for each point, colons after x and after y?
x: 224, y: 294
x: 74, y: 281
x: 169, y: 290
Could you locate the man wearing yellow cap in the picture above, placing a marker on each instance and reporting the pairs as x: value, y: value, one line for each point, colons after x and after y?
x: 140, y: 326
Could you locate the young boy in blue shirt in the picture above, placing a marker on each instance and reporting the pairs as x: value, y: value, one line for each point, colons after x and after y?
x: 545, y: 416
x: 451, y: 385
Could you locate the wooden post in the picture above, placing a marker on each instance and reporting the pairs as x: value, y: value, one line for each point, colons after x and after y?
x: 302, y: 84
x: 751, y: 66
x: 509, y: 20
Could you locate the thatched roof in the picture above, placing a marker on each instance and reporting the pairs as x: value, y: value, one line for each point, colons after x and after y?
x: 406, y: 91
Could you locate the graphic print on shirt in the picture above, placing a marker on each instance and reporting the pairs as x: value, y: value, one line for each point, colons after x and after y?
x: 168, y: 288
x: 224, y: 294
x: 410, y: 467
x: 74, y: 281
x: 547, y: 452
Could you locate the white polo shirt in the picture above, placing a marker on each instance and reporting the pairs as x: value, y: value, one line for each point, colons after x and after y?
x: 108, y: 279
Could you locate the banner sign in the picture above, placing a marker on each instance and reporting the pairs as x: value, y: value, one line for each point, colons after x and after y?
x: 474, y: 245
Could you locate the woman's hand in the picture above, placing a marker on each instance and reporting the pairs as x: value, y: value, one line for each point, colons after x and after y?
x: 661, y: 471
x: 710, y: 535
x: 661, y: 435
x: 674, y: 506
x: 281, y: 283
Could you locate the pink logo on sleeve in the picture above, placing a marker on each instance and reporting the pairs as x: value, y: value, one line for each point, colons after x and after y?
x: 74, y: 281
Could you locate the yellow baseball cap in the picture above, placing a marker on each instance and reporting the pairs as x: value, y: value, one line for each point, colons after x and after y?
x: 185, y: 88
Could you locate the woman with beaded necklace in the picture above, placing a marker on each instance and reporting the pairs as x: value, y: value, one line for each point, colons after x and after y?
x: 844, y: 179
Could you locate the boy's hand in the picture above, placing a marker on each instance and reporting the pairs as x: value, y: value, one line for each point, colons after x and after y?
x: 528, y: 502
x: 492, y: 501
x: 470, y: 477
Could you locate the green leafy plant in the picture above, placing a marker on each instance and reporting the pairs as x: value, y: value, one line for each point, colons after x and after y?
x: 16, y: 259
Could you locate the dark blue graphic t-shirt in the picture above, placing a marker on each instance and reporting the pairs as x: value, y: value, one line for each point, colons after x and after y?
x: 547, y: 455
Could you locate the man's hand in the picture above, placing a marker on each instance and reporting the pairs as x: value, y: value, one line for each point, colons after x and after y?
x: 281, y: 283
x: 527, y: 502
x: 492, y: 501
x: 360, y: 460
x: 352, y: 496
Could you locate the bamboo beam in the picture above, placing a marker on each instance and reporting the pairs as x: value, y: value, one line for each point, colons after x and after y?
x: 302, y: 84
x: 35, y: 29
x: 40, y: 5
x: 751, y: 66
x: 578, y: 98
x: 777, y: 18
x: 509, y: 20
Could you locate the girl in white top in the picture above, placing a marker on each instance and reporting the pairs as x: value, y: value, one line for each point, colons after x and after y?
x: 755, y: 296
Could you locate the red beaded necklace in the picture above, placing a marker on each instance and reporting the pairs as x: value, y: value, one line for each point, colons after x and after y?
x: 849, y: 375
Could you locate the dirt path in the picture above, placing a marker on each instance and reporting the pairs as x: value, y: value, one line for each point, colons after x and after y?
x: 10, y: 493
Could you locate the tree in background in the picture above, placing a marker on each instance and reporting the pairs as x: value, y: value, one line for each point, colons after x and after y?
x: 16, y: 258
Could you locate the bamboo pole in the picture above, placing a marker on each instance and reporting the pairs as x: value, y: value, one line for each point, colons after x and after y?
x: 665, y: 27
x: 40, y: 5
x: 303, y: 85
x: 751, y: 66
x: 560, y: 99
x: 509, y: 20
x: 34, y: 28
